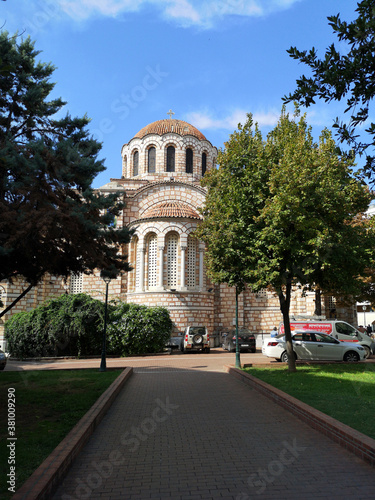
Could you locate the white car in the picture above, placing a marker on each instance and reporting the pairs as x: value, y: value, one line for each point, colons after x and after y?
x: 195, y: 338
x: 308, y: 345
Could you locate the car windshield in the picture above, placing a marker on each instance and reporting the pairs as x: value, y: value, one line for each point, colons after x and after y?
x: 241, y: 332
x: 346, y: 329
x: 197, y: 329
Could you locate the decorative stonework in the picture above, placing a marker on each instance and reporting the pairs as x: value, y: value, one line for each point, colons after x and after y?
x: 168, y: 265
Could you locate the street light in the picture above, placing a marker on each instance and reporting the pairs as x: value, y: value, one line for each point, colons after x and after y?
x: 103, y: 366
x: 238, y: 361
x: 364, y: 315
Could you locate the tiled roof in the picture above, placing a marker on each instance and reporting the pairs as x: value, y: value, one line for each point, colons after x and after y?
x: 162, y: 127
x: 175, y: 209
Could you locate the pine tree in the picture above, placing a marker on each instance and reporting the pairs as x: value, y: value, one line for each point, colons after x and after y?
x: 51, y: 219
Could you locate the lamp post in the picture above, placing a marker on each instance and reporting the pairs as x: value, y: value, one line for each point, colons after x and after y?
x: 364, y: 315
x: 238, y: 361
x: 103, y: 366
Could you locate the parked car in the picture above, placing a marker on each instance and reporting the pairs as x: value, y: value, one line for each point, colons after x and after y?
x: 195, y: 338
x: 3, y: 360
x: 246, y: 340
x: 309, y: 345
x: 173, y: 343
x: 340, y: 330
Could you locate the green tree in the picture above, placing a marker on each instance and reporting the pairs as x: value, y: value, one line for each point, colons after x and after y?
x: 348, y: 75
x: 223, y: 230
x: 284, y: 206
x: 52, y: 220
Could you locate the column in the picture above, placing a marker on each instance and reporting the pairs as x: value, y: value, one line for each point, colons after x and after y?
x: 142, y: 254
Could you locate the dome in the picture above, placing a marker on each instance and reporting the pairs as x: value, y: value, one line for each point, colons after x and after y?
x: 169, y: 125
x: 170, y: 209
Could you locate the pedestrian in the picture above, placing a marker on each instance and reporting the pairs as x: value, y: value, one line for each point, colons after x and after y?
x: 274, y: 332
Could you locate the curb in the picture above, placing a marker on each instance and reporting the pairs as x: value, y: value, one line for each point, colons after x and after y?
x: 354, y: 441
x: 47, y: 477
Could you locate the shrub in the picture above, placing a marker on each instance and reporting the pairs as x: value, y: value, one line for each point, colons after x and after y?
x: 69, y: 325
x: 135, y: 329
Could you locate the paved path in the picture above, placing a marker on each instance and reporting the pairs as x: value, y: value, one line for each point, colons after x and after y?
x: 188, y: 433
x: 195, y: 360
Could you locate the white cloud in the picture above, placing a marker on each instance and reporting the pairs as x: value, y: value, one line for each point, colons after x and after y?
x: 84, y: 9
x: 204, y: 120
x: 201, y: 13
x: 183, y: 10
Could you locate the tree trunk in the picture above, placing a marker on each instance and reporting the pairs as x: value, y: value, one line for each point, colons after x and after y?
x: 318, y: 302
x: 284, y: 308
x: 8, y: 308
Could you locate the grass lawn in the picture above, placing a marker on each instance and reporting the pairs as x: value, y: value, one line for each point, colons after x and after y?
x: 48, y: 404
x: 346, y: 392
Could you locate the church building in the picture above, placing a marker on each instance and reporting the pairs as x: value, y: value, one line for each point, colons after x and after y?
x: 160, y: 179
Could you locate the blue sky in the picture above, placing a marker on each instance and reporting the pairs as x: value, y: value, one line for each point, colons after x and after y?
x: 125, y: 63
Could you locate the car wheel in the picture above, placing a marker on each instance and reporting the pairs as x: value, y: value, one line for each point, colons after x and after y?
x: 198, y: 339
x: 284, y: 357
x: 351, y: 357
x: 367, y: 350
x: 253, y: 350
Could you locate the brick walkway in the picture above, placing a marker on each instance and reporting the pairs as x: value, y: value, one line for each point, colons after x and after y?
x: 187, y: 434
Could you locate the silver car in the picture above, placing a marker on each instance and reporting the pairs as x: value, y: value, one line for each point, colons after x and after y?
x: 308, y: 345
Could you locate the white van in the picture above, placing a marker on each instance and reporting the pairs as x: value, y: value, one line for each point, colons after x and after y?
x: 338, y: 329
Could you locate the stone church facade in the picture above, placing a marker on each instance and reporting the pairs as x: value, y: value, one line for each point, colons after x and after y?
x: 162, y: 168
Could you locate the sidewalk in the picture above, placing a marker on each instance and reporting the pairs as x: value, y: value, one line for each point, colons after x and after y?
x: 179, y: 433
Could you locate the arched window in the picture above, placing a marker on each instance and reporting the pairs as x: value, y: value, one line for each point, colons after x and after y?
x: 151, y: 160
x: 76, y: 283
x: 170, y: 158
x: 135, y: 162
x: 138, y: 258
x: 189, y: 161
x: 191, y: 261
x: 204, y: 163
x: 152, y: 260
x: 172, y: 245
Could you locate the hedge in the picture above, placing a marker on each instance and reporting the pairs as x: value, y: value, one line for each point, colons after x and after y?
x: 72, y: 325
x: 137, y: 329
